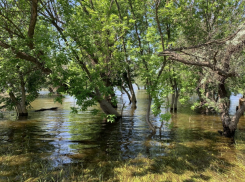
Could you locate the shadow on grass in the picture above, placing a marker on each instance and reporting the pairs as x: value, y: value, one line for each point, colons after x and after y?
x: 189, y: 152
x: 195, y: 153
x: 184, y: 158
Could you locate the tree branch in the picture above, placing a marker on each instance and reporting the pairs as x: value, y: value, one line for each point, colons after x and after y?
x: 179, y: 58
x: 11, y: 22
x: 23, y: 55
x: 33, y: 21
x: 223, y: 41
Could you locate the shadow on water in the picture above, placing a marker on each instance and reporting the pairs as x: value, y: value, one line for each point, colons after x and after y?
x: 56, y: 145
x: 158, y: 157
x: 19, y: 150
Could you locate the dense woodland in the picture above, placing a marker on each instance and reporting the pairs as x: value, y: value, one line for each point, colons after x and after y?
x: 89, y: 48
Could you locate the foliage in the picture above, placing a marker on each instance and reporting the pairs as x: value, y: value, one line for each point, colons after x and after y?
x: 12, y: 73
x: 87, y: 48
x: 110, y: 118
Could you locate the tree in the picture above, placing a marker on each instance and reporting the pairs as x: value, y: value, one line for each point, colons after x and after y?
x: 79, y: 35
x: 214, y: 40
x: 21, y: 82
x: 25, y: 44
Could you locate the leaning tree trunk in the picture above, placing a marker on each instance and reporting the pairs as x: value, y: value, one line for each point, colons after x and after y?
x: 147, y: 118
x: 106, y: 106
x: 137, y: 86
x: 20, y: 108
x: 129, y: 97
x: 133, y: 97
x: 229, y: 124
x: 109, y: 99
x: 131, y: 89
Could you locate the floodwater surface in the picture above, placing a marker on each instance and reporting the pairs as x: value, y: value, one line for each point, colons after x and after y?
x: 60, y: 146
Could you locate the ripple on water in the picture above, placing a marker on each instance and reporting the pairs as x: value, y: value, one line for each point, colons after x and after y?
x: 59, y: 138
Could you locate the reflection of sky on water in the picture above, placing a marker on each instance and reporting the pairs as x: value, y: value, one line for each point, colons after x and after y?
x: 234, y: 102
x: 60, y: 134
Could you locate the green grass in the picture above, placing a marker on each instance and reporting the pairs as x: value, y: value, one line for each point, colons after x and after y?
x: 201, y: 155
x: 185, y: 161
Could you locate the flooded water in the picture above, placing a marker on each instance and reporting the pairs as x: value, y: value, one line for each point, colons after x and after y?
x: 55, y: 141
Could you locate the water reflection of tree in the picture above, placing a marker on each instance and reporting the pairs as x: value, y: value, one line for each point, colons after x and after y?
x: 21, y: 151
x: 84, y: 132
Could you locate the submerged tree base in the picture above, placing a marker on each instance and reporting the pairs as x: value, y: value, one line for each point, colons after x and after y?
x: 173, y: 109
x: 23, y: 114
x: 227, y: 133
x: 46, y: 109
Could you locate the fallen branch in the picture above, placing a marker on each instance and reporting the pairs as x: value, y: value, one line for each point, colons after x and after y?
x: 46, y: 109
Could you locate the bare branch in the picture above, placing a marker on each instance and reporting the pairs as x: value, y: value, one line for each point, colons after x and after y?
x: 223, y: 41
x: 232, y: 50
x: 179, y: 57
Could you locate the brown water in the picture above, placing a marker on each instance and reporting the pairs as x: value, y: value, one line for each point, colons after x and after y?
x: 57, y: 140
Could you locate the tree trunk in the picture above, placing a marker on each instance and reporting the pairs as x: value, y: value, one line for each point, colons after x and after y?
x: 51, y: 90
x: 106, y: 106
x: 147, y: 118
x: 200, y: 95
x: 133, y: 98
x: 229, y: 124
x: 176, y: 99
x: 109, y: 99
x: 129, y: 97
x: 176, y: 95
x: 23, y: 97
x: 137, y: 86
x: 20, y: 106
x: 20, y: 109
x: 131, y: 89
x: 207, y: 96
x: 172, y: 102
x: 108, y: 109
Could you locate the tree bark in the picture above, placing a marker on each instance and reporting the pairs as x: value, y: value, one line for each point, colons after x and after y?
x: 176, y: 98
x: 229, y: 124
x: 130, y: 85
x: 137, y: 86
x: 23, y: 96
x: 129, y: 97
x: 172, y: 102
x: 147, y: 118
x: 108, y: 108
x: 176, y: 94
x: 18, y: 106
x: 133, y: 97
